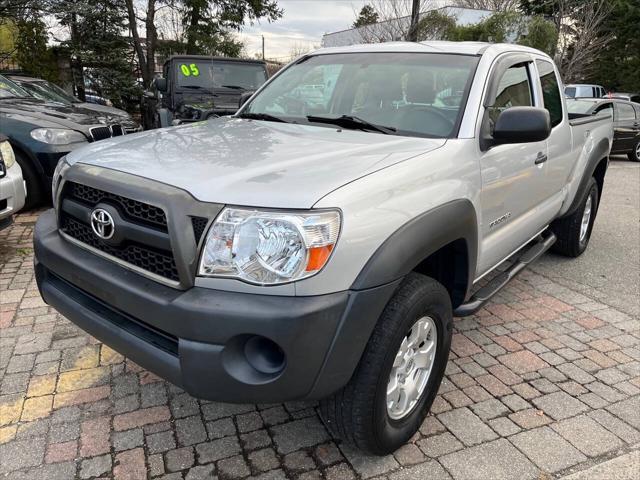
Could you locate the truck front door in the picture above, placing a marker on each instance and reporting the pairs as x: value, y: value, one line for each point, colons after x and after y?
x: 513, y: 175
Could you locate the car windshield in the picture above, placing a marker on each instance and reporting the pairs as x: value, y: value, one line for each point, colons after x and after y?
x: 205, y: 74
x: 9, y: 89
x: 415, y: 94
x: 39, y: 90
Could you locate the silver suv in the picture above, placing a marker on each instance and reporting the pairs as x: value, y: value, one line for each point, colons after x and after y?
x: 317, y: 244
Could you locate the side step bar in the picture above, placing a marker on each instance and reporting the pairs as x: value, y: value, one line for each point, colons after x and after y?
x: 496, y: 284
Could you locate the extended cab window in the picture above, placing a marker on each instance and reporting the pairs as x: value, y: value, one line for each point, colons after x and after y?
x: 514, y: 90
x: 550, y: 91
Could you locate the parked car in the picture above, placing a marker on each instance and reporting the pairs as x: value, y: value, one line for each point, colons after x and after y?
x: 41, y: 132
x: 626, y: 122
x: 630, y: 97
x: 196, y: 87
x: 12, y: 191
x: 320, y: 251
x: 584, y: 91
x: 50, y: 92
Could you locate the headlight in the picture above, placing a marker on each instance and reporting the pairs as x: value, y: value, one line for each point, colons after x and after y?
x: 6, y: 154
x: 57, y: 173
x: 269, y: 248
x: 57, y: 136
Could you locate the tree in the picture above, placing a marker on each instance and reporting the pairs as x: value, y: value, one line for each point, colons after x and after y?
x: 31, y: 51
x: 494, y: 5
x: 367, y: 16
x: 541, y: 34
x: 394, y: 20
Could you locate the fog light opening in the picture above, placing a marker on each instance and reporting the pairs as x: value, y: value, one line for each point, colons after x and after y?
x: 264, y: 355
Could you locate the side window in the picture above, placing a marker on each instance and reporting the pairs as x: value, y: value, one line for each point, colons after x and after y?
x: 550, y: 91
x: 514, y: 90
x: 625, y: 112
x: 604, y: 110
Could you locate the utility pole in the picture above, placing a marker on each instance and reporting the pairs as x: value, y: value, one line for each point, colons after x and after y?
x: 412, y: 36
x: 262, y: 47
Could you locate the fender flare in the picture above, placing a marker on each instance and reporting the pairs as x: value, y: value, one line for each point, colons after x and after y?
x: 599, y: 153
x: 417, y: 239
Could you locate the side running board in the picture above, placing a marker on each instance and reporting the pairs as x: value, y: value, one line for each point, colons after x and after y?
x: 481, y: 297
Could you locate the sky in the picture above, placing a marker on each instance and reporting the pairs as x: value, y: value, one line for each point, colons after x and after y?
x: 302, y: 26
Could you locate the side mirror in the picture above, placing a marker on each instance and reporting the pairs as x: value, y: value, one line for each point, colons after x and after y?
x: 161, y: 84
x: 244, y: 97
x: 522, y: 125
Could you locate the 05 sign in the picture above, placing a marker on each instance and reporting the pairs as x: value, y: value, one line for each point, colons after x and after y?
x: 189, y: 70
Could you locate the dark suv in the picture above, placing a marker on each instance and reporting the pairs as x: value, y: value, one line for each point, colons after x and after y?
x: 196, y: 87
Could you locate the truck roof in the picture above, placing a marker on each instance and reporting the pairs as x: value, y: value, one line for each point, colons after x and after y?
x: 214, y: 58
x: 435, y: 46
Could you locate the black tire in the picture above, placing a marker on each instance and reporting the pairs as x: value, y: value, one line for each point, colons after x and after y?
x: 567, y: 230
x: 35, y: 189
x: 358, y: 412
x: 634, y: 155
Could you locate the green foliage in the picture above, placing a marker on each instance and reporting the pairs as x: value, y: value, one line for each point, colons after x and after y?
x: 618, y: 64
x: 541, y: 34
x: 435, y: 25
x: 32, y: 53
x: 498, y: 28
x: 210, y: 24
x: 367, y: 16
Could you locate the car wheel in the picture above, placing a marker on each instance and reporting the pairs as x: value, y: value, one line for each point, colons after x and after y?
x: 35, y: 189
x: 400, y: 371
x: 634, y: 155
x: 573, y: 232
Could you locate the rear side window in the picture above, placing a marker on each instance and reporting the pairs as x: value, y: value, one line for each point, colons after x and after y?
x: 514, y: 90
x: 570, y: 92
x: 550, y: 91
x: 625, y: 112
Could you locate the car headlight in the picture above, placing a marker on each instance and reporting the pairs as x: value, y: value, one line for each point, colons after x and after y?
x: 57, y: 136
x: 6, y: 154
x: 61, y: 166
x: 269, y: 248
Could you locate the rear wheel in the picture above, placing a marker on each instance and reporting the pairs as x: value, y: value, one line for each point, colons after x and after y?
x: 573, y: 232
x: 399, y: 374
x: 634, y: 155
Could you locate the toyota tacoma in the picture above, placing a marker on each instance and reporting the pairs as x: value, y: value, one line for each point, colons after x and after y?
x: 317, y: 244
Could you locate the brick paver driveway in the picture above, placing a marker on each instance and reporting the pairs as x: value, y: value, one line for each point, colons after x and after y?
x: 544, y: 381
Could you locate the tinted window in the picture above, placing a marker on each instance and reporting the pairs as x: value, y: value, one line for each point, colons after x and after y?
x: 625, y: 112
x: 550, y: 91
x: 514, y: 90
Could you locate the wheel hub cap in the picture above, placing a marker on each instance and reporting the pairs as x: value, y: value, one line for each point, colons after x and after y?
x: 586, y: 217
x: 411, y: 368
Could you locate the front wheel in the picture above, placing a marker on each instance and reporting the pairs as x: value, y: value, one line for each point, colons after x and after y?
x: 400, y: 371
x: 634, y: 155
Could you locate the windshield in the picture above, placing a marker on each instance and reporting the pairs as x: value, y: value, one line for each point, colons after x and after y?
x: 204, y: 74
x: 9, y: 89
x: 40, y: 90
x: 410, y: 93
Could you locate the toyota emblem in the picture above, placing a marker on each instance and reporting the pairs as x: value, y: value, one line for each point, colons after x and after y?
x: 102, y: 224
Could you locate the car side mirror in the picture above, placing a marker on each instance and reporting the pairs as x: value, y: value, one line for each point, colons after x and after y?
x: 522, y: 125
x: 244, y: 97
x: 161, y: 84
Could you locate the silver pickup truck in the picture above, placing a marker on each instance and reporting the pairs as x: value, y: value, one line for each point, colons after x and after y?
x: 317, y: 244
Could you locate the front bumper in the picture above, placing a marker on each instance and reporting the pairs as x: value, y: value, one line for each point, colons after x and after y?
x: 12, y: 192
x: 198, y: 338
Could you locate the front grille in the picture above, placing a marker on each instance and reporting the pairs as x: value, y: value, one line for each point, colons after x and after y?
x: 138, y: 211
x: 77, y: 202
x: 116, y: 130
x: 199, y: 224
x: 100, y: 133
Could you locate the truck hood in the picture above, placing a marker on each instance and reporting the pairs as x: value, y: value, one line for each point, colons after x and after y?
x: 253, y: 163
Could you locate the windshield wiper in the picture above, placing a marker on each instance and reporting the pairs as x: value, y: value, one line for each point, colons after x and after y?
x: 262, y: 116
x: 352, y: 122
x: 237, y: 87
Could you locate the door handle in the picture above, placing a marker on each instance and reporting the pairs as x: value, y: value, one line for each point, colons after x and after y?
x: 541, y: 158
